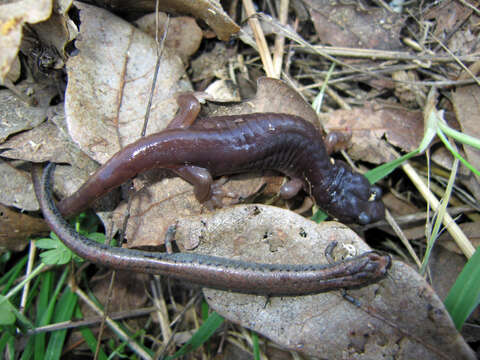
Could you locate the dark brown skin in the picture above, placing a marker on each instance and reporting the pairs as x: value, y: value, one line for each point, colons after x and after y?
x: 215, y: 272
x: 200, y: 150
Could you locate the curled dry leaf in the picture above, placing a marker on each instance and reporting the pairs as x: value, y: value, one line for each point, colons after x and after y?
x: 13, y: 16
x: 399, y: 317
x: 209, y: 11
x: 157, y: 206
x: 372, y: 123
x: 110, y: 82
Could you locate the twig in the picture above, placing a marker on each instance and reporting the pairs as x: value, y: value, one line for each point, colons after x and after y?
x: 259, y: 38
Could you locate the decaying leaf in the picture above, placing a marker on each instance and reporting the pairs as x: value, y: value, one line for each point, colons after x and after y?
x: 16, y: 228
x: 400, y: 316
x: 110, y: 82
x: 356, y: 24
x: 466, y: 102
x: 17, y: 116
x: 369, y: 124
x: 17, y: 187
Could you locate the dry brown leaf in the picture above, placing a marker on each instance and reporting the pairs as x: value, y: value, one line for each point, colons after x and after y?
x: 13, y: 16
x: 211, y: 64
x: 451, y: 13
x: 371, y: 123
x: 466, y: 102
x: 16, y: 228
x: 183, y: 34
x: 356, y: 25
x: 46, y: 142
x: 17, y: 187
x: 400, y: 316
x: 17, y: 116
x: 109, y: 83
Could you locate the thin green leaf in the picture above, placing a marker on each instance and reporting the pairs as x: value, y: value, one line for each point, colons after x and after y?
x: 201, y: 335
x: 464, y: 296
x: 8, y: 279
x: 7, y: 316
x: 456, y: 154
x: 63, y: 312
x: 256, y: 346
x: 382, y: 171
x: 42, y: 305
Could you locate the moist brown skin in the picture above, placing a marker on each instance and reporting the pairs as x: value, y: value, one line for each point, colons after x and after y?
x: 200, y: 150
x: 210, y: 271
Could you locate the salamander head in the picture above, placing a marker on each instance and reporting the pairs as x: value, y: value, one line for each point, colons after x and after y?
x: 353, y: 199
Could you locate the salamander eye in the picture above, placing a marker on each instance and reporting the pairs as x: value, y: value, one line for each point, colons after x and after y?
x: 375, y: 193
x: 364, y: 218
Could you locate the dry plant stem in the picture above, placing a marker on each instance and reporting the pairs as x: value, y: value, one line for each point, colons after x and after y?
x: 467, y: 4
x: 386, y: 55
x: 259, y: 38
x: 137, y: 349
x: 26, y: 288
x: 105, y: 312
x: 462, y: 241
x: 402, y: 237
x: 162, y: 311
x: 280, y: 40
x: 64, y: 325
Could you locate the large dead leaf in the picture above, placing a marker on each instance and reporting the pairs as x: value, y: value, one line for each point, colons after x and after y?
x: 13, y: 16
x: 399, y: 317
x: 371, y: 123
x: 355, y: 24
x: 109, y: 83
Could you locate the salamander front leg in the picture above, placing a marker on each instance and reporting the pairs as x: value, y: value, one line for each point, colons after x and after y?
x: 336, y: 141
x: 188, y: 110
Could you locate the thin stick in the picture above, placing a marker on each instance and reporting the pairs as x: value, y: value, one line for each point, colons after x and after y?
x: 259, y: 38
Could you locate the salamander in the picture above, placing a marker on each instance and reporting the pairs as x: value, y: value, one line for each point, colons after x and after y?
x: 199, y: 151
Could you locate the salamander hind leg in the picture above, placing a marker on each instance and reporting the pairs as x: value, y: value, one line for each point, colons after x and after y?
x: 207, y: 191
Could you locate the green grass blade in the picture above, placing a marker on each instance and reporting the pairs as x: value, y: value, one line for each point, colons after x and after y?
x: 63, y: 312
x: 201, y: 335
x: 42, y: 305
x: 381, y: 171
x: 256, y: 347
x: 464, y: 296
